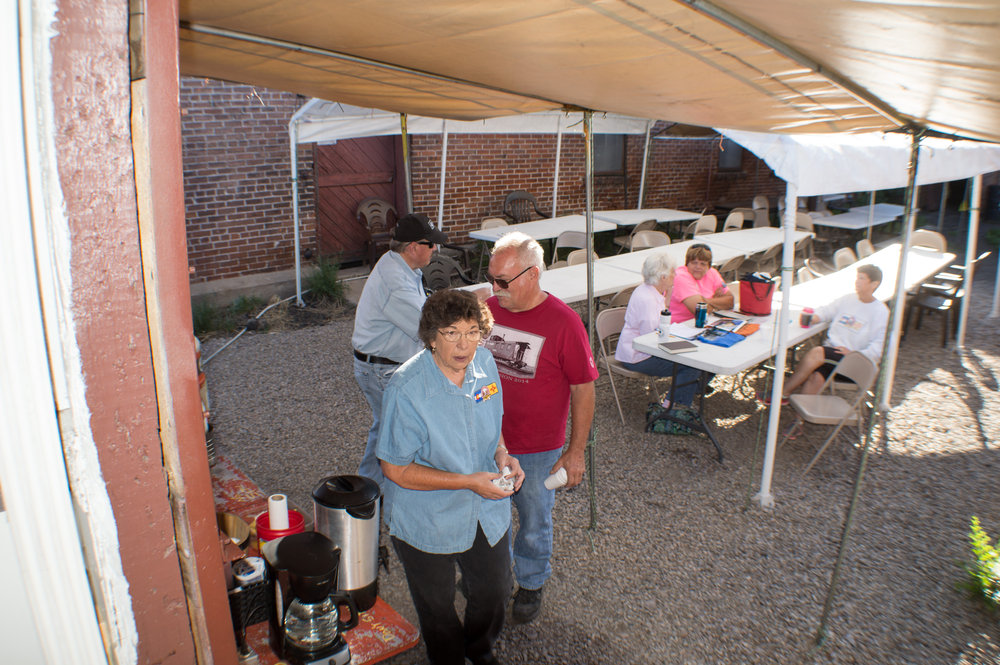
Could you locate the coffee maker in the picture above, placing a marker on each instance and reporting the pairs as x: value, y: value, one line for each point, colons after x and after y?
x: 305, y: 621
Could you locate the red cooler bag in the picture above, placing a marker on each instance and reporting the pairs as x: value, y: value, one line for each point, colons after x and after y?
x: 756, y: 291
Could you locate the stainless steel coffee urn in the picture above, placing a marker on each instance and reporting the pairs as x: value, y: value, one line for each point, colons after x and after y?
x: 346, y: 510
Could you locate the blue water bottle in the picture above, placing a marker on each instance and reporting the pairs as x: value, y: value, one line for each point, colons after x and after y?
x: 701, y: 315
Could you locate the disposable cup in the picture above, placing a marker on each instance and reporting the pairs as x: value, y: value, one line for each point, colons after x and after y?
x: 556, y: 480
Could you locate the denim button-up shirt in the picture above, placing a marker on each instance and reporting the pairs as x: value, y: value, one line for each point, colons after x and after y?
x: 385, y: 322
x: 428, y: 420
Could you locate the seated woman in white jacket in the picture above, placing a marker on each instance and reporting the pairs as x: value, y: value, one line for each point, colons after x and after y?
x: 857, y: 323
x: 643, y: 316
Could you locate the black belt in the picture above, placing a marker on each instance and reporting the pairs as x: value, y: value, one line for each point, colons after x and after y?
x: 378, y: 360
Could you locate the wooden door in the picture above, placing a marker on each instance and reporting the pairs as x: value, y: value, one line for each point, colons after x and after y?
x: 347, y: 172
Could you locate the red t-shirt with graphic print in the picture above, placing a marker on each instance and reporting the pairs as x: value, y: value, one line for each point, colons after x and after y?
x: 540, y: 353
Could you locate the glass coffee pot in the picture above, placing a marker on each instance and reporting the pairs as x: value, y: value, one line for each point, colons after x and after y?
x: 309, y: 621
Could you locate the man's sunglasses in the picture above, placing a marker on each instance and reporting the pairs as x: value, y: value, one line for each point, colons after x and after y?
x: 425, y: 243
x: 505, y: 283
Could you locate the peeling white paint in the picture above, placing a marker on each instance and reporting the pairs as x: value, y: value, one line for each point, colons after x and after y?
x: 89, y: 516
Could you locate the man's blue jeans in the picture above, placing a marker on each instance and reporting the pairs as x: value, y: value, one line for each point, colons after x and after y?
x: 532, y: 546
x: 372, y: 378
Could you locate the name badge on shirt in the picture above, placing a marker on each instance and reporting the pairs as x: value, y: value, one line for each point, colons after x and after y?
x: 487, y: 392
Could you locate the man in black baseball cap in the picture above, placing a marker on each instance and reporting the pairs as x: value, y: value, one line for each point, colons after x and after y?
x: 416, y: 227
x: 385, y: 322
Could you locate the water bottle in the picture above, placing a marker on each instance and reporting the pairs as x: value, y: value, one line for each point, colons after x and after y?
x: 701, y: 315
x: 664, y: 325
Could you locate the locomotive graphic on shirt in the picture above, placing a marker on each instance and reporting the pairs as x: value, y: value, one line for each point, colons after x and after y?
x: 507, y: 353
x: 516, y: 352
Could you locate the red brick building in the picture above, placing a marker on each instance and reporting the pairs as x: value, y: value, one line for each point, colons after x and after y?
x: 238, y: 194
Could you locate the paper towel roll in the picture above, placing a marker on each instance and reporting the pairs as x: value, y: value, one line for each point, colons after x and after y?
x: 277, y: 512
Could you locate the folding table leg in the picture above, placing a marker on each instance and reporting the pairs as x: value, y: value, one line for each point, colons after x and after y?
x: 700, y: 424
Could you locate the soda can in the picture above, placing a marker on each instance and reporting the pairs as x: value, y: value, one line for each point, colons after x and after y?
x: 701, y: 315
x: 805, y: 318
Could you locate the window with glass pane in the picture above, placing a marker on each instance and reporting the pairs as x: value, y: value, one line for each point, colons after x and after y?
x: 730, y: 156
x: 609, y: 154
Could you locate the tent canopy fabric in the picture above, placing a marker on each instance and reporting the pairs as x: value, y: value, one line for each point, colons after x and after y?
x: 319, y: 120
x: 835, y: 163
x: 756, y: 65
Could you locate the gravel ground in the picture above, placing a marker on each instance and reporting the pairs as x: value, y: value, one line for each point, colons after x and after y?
x: 682, y: 567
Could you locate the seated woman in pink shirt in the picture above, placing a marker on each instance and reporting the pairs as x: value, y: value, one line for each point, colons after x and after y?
x: 697, y: 281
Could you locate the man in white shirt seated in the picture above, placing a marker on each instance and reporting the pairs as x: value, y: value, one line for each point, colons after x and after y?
x: 857, y: 323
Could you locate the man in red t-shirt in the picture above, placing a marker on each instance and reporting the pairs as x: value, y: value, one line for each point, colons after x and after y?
x: 547, y: 372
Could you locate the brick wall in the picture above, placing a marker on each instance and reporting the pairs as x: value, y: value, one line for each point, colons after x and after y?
x: 483, y: 168
x: 239, y: 204
x: 238, y: 201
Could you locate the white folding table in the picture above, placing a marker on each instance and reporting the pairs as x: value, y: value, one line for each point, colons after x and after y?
x: 861, y: 217
x: 921, y: 264
x: 633, y: 217
x: 749, y: 241
x: 544, y: 229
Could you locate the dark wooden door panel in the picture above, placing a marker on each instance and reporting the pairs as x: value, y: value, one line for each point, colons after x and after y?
x: 348, y: 172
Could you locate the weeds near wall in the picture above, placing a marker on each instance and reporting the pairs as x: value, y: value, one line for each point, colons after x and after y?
x: 983, y: 572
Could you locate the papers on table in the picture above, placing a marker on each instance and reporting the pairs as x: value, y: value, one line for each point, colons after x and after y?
x: 684, y: 331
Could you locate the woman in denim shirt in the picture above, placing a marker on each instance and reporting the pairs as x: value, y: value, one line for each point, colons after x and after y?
x: 441, y: 449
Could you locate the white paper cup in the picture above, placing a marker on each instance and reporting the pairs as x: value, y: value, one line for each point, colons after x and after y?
x: 557, y: 479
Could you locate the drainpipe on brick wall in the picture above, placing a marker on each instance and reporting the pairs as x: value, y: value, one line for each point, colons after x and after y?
x: 444, y: 161
x: 645, y: 163
x: 555, y: 176
x: 406, y: 162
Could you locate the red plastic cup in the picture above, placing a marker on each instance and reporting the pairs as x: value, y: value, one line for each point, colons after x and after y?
x: 296, y: 524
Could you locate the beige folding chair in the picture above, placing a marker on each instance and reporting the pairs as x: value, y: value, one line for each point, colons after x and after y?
x: 701, y: 226
x: 621, y: 298
x: 579, y: 256
x: 761, y: 211
x: 864, y: 248
x: 930, y: 239
x: 844, y: 257
x: 804, y: 275
x: 608, y: 325
x: 647, y: 239
x: 730, y: 269
x: 571, y: 239
x: 766, y: 261
x: 802, y: 250
x: 492, y: 222
x: 803, y: 222
x: 746, y: 212
x: 734, y: 222
x: 625, y: 242
x: 827, y: 408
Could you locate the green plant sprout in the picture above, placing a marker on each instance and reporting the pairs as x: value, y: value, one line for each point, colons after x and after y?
x: 984, y: 571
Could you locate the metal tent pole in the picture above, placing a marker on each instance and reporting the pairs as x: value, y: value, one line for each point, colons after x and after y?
x: 970, y: 256
x: 764, y: 496
x: 293, y: 138
x: 891, y: 348
x: 881, y: 393
x: 588, y: 161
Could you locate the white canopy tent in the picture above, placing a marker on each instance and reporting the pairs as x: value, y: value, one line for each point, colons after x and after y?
x: 760, y: 65
x: 833, y: 163
x: 786, y: 66
x: 321, y: 121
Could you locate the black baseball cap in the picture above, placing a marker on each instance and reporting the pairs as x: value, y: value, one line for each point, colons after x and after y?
x: 414, y: 227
